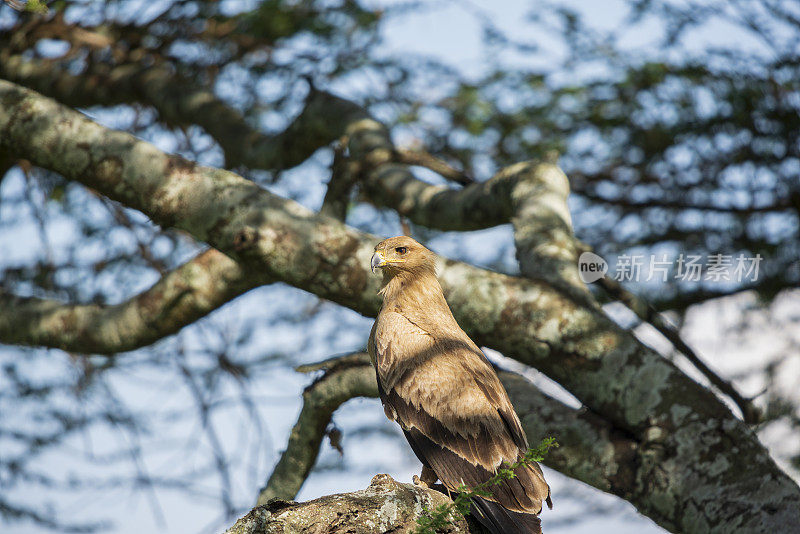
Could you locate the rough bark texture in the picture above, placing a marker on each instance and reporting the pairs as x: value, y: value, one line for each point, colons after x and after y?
x: 385, y: 506
x: 181, y: 297
x: 698, y: 469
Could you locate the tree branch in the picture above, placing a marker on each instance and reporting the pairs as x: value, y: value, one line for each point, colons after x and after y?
x: 344, y: 172
x: 592, y: 450
x: 545, y: 245
x: 385, y: 506
x: 180, y: 101
x: 705, y: 470
x: 181, y: 297
x: 344, y: 379
x: 421, y: 158
x: 644, y: 311
x: 531, y: 195
x: 389, y: 184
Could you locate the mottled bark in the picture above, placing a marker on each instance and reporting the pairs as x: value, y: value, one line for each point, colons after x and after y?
x: 545, y: 246
x: 590, y: 449
x: 702, y: 469
x: 751, y: 413
x: 181, y: 297
x: 385, y: 506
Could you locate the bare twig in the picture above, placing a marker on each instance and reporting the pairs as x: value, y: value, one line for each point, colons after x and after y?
x: 421, y: 158
x: 214, y: 442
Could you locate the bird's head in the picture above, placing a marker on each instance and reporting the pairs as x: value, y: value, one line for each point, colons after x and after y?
x: 402, y: 254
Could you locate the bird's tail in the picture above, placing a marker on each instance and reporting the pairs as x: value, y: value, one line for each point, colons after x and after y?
x: 500, y: 520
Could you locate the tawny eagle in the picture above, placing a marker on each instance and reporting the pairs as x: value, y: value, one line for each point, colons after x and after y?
x: 439, y: 386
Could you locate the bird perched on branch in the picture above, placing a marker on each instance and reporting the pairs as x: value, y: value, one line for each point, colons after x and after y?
x: 439, y: 386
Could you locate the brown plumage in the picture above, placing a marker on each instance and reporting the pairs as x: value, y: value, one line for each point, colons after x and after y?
x: 439, y: 386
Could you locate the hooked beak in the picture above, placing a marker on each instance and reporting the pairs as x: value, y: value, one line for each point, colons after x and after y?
x: 377, y: 261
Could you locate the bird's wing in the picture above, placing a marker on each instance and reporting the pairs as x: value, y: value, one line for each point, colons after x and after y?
x: 453, y: 409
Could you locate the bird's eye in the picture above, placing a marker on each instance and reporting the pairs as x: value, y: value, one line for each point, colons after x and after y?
x: 401, y: 250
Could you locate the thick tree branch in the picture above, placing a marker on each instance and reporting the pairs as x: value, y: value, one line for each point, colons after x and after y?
x: 181, y: 297
x: 180, y: 101
x: 545, y: 245
x: 644, y: 311
x: 705, y: 470
x: 385, y: 506
x: 344, y: 172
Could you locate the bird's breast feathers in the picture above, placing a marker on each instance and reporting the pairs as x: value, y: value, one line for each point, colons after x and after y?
x: 445, y: 378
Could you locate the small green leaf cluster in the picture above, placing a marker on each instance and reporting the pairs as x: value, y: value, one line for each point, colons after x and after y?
x: 441, y: 518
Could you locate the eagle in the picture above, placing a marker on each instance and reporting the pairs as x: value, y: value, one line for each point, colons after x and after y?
x: 438, y: 385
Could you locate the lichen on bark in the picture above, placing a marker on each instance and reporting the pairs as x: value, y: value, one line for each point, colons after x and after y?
x: 384, y: 506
